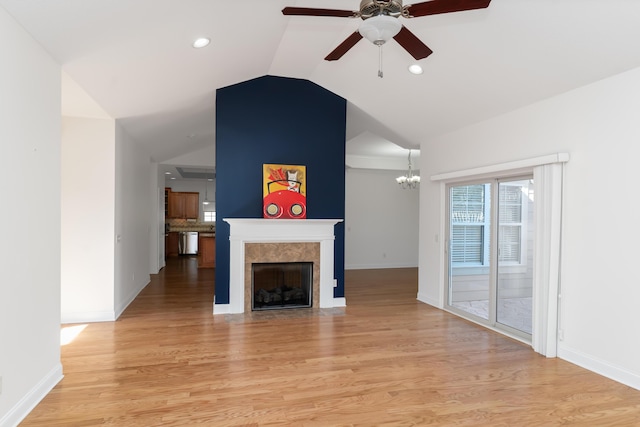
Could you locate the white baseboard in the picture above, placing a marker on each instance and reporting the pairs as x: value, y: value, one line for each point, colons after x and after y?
x: 378, y: 266
x: 102, y: 316
x: 221, y: 308
x: 593, y: 364
x: 32, y: 398
x: 133, y: 295
x: 340, y: 302
x: 425, y: 299
x: 88, y: 317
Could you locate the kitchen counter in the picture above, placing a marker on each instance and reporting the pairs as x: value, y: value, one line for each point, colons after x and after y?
x: 198, y: 228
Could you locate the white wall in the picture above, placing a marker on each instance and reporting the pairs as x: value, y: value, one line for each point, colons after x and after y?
x: 133, y: 224
x: 598, y: 125
x: 204, y: 157
x: 30, y: 217
x: 156, y: 215
x: 381, y: 221
x: 88, y: 219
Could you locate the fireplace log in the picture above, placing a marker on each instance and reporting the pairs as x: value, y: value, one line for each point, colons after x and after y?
x: 281, y: 296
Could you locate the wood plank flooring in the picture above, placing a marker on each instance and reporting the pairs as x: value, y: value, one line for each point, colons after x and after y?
x: 385, y: 360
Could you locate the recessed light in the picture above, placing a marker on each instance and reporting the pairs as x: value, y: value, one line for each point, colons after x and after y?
x: 167, y: 173
x: 173, y: 177
x: 201, y: 42
x: 415, y: 69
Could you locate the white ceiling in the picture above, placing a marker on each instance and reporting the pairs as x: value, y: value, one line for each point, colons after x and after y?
x: 134, y: 58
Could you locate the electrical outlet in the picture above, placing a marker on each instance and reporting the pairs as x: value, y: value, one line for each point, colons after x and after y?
x: 335, y: 283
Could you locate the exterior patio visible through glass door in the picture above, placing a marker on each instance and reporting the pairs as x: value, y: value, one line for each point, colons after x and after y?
x: 469, y: 248
x: 515, y: 255
x: 490, y: 267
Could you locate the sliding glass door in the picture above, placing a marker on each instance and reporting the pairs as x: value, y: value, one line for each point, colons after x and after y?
x: 490, y: 252
x: 514, y: 290
x: 469, y: 248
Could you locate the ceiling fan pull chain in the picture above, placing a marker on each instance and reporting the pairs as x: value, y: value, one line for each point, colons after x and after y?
x: 380, y: 74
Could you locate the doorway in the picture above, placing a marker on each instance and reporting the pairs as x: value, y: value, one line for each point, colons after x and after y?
x: 490, y: 253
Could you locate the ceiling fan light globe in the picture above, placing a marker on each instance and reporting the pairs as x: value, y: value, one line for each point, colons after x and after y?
x: 380, y: 29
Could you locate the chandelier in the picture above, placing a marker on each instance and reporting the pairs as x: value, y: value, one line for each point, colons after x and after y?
x: 409, y: 180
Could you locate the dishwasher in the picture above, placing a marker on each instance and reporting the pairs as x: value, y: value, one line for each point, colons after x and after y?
x: 188, y: 243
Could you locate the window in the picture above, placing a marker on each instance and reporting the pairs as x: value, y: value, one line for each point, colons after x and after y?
x: 470, y: 224
x: 209, y: 216
x: 511, y: 221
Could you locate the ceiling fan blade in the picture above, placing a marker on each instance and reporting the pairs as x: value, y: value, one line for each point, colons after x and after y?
x: 310, y: 11
x: 435, y: 7
x: 412, y: 44
x: 344, y: 47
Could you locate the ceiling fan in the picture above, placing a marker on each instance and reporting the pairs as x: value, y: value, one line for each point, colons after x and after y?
x: 380, y: 22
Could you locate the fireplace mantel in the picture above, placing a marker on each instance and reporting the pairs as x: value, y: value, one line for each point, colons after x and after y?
x: 258, y: 230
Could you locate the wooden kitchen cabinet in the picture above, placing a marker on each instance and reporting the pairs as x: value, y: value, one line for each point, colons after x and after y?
x: 183, y: 204
x: 171, y: 244
x: 206, y: 250
x: 176, y: 205
x: 191, y: 205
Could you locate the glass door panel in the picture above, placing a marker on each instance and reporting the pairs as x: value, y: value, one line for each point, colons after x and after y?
x: 469, y: 249
x: 515, y: 254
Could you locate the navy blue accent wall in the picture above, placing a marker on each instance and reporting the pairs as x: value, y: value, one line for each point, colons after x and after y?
x: 277, y: 120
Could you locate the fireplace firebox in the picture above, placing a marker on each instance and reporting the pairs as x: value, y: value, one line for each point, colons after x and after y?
x: 281, y: 285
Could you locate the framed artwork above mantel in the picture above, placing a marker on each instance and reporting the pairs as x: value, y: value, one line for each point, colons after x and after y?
x: 284, y: 192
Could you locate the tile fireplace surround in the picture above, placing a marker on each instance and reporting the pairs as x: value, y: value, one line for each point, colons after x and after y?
x: 280, y: 240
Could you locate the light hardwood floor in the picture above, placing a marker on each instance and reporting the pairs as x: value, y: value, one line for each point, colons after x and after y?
x: 385, y: 360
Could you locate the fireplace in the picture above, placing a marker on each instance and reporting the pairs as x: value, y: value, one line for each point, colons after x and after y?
x: 281, y: 285
x: 259, y: 240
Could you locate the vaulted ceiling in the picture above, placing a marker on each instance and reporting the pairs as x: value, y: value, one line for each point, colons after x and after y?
x: 135, y: 59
